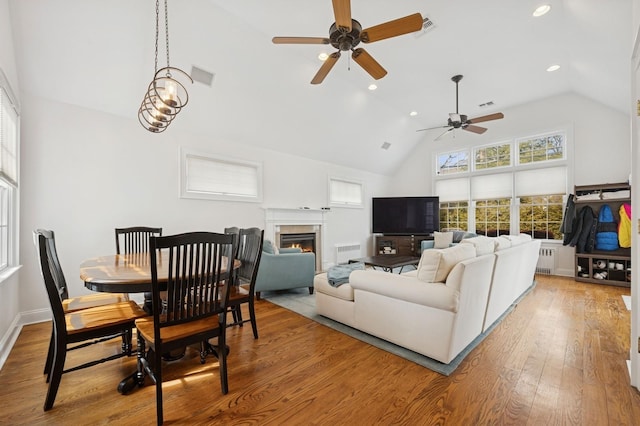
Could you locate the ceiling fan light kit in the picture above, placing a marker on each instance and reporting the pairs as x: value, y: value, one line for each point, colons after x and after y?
x: 346, y: 33
x: 461, y: 121
x: 166, y: 94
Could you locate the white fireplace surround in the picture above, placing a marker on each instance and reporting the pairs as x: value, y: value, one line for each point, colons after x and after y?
x: 283, y: 220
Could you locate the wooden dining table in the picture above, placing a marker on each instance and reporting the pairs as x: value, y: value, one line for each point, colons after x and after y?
x: 130, y: 273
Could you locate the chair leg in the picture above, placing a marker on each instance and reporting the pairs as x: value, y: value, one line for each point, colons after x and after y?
x: 257, y: 295
x: 158, y: 378
x: 57, y: 367
x: 252, y: 317
x: 47, y: 364
x: 222, y: 357
x: 310, y: 290
x: 238, y: 313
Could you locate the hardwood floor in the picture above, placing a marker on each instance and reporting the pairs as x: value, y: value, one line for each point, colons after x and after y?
x: 558, y: 358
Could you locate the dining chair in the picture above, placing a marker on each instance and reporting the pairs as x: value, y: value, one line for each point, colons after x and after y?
x: 70, y: 304
x: 197, y: 281
x: 135, y: 239
x: 249, y: 254
x: 82, y: 327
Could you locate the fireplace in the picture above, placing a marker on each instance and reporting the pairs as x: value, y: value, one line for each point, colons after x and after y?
x: 304, y: 241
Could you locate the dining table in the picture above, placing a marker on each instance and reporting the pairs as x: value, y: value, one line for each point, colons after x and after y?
x: 130, y: 273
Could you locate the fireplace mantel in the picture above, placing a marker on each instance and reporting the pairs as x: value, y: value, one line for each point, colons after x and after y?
x: 275, y: 218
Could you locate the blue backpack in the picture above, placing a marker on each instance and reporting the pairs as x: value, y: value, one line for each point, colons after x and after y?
x: 607, y: 230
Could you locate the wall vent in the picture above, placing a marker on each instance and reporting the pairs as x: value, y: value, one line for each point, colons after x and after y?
x: 427, y: 25
x: 344, y: 252
x: 547, y: 261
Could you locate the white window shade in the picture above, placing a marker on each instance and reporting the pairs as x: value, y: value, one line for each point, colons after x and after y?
x: 552, y: 180
x: 207, y: 177
x: 8, y: 139
x: 493, y: 186
x: 453, y: 189
x: 346, y: 193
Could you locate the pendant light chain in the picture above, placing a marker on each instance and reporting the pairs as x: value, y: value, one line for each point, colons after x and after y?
x: 166, y: 94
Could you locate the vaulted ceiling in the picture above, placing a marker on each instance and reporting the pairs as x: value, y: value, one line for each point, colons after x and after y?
x: 99, y: 55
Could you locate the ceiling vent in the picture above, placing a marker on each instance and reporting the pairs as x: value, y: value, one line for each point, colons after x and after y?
x: 202, y: 76
x: 486, y: 104
x: 427, y: 25
x: 385, y: 145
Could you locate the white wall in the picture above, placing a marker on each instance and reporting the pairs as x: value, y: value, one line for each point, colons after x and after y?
x: 599, y: 136
x: 85, y: 173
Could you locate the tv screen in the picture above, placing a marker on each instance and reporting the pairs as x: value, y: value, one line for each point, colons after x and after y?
x: 405, y: 215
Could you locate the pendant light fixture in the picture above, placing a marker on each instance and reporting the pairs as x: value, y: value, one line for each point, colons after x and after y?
x: 166, y: 95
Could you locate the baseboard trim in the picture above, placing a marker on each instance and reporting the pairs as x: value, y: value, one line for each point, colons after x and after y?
x: 22, y: 319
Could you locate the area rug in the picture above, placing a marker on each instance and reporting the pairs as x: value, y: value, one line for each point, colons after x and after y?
x: 301, y: 302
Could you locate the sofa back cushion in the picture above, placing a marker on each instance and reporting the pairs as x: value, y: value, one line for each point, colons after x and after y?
x: 436, y: 264
x: 483, y: 244
x: 518, y: 239
x: 502, y: 243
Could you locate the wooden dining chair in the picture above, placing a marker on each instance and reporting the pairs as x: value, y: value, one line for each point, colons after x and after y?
x: 70, y: 304
x: 197, y: 280
x: 82, y: 327
x: 249, y: 254
x: 135, y: 239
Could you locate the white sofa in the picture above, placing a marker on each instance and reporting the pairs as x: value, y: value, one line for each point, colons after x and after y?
x: 437, y: 310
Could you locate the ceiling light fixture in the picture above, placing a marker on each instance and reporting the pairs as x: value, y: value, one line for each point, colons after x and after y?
x: 166, y: 95
x: 413, y: 113
x: 541, y: 10
x: 323, y: 56
x: 373, y: 86
x: 554, y: 67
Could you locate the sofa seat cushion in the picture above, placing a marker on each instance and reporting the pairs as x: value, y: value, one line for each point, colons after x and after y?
x: 435, y: 265
x: 321, y: 285
x: 406, y: 288
x: 483, y: 244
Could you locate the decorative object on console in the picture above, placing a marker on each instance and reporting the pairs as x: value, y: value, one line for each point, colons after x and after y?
x: 346, y: 33
x: 166, y: 95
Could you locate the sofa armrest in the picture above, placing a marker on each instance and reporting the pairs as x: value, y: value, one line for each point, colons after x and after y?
x: 407, y: 288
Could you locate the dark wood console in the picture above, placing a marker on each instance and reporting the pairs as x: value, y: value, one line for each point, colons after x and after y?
x: 405, y: 245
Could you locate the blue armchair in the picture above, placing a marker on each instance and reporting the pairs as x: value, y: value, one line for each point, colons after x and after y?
x: 286, y: 269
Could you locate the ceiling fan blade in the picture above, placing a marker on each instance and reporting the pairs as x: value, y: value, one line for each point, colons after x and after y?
x: 475, y: 129
x: 300, y: 40
x: 369, y: 64
x: 496, y: 116
x: 325, y: 68
x: 394, y: 28
x: 444, y: 133
x: 431, y: 128
x: 342, y: 12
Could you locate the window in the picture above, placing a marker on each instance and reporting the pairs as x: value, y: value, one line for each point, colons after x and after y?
x: 345, y: 193
x: 493, y: 217
x: 490, y: 157
x: 454, y: 216
x: 204, y: 176
x: 9, y: 149
x: 499, y: 197
x: 541, y: 148
x: 453, y: 162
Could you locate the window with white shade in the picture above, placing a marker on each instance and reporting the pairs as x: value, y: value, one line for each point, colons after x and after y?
x: 9, y: 150
x: 525, y: 197
x: 345, y: 192
x: 204, y: 176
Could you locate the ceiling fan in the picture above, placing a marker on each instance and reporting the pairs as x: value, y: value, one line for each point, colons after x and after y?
x: 460, y: 121
x: 346, y: 33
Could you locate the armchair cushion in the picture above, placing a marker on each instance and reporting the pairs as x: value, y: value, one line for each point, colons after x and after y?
x: 291, y: 268
x: 269, y: 247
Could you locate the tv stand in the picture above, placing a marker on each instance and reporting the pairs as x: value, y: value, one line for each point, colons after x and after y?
x: 405, y: 245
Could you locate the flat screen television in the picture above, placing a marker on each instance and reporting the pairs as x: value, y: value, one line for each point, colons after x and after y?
x: 405, y: 215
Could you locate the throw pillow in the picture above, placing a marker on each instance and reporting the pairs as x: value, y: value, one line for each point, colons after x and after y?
x: 442, y: 239
x: 435, y: 265
x: 268, y: 247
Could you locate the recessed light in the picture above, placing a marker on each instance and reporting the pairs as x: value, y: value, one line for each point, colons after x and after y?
x: 413, y: 113
x: 372, y: 86
x: 541, y: 10
x: 554, y: 67
x: 323, y: 56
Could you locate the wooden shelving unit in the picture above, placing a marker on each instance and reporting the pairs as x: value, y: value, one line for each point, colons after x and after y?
x: 604, y: 267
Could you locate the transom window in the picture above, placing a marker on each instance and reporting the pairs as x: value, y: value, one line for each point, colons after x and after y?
x: 541, y: 148
x: 490, y: 157
x: 453, y: 162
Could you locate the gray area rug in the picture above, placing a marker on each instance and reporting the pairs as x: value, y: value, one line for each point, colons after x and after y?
x: 301, y: 302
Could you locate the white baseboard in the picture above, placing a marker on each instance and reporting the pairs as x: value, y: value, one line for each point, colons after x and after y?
x: 22, y: 319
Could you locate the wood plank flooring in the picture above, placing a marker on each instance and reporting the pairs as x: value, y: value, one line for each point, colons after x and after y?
x: 558, y: 359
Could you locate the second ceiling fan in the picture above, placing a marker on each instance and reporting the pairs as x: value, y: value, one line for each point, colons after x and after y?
x: 346, y: 33
x: 460, y: 121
